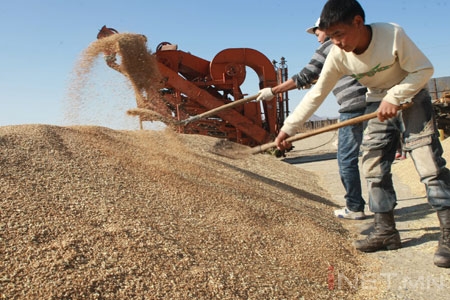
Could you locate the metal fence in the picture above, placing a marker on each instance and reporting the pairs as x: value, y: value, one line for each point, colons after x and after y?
x: 312, y: 125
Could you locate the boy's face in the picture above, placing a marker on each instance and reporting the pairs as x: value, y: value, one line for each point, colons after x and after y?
x: 349, y: 37
x: 321, y: 35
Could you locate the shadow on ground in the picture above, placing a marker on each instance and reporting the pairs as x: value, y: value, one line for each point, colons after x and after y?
x: 310, y: 158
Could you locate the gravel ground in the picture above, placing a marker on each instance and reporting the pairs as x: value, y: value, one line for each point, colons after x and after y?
x: 94, y: 213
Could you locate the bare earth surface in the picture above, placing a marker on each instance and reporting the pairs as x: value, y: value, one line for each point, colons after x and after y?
x: 407, y: 273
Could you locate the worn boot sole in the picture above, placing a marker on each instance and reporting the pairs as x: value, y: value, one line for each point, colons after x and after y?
x: 442, y: 257
x: 442, y: 262
x: 370, y: 245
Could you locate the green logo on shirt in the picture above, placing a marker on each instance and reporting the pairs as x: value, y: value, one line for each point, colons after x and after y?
x: 371, y: 73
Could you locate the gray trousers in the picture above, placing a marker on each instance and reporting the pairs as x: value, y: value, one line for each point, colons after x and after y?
x: 416, y: 126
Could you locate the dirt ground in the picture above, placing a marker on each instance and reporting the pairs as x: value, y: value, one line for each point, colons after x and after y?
x: 407, y: 273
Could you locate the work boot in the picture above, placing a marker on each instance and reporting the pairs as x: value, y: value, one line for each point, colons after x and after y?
x: 384, y: 236
x: 442, y: 254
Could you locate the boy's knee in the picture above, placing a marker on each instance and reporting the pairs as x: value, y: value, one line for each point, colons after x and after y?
x: 371, y: 164
x: 424, y: 162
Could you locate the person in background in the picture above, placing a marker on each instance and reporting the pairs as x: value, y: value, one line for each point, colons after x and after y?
x: 383, y: 58
x: 351, y: 97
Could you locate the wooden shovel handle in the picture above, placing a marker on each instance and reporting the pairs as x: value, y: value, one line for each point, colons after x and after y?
x: 218, y: 109
x: 303, y: 135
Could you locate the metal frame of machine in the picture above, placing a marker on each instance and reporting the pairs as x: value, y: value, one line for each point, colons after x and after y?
x: 193, y: 85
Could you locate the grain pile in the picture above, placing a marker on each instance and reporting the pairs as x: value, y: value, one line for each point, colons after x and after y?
x: 94, y: 213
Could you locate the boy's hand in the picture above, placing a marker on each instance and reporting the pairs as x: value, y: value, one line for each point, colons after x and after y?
x: 386, y: 111
x: 265, y: 94
x: 281, y: 142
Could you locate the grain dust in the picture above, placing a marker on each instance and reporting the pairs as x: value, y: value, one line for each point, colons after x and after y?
x: 133, y: 61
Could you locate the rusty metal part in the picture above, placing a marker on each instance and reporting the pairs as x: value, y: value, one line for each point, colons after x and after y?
x: 105, y: 32
x: 196, y: 86
x: 439, y: 89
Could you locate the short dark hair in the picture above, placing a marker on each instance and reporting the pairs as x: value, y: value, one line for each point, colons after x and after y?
x: 340, y: 11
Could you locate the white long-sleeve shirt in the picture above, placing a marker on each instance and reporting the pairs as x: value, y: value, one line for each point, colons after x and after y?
x: 392, y: 68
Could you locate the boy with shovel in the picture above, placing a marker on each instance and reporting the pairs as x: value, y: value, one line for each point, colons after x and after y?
x: 382, y: 57
x: 351, y: 97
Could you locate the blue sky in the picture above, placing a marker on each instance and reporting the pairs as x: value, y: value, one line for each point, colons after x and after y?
x: 43, y: 39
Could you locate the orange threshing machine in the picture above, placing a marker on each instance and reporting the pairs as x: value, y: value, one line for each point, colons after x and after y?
x: 194, y: 85
x: 191, y: 85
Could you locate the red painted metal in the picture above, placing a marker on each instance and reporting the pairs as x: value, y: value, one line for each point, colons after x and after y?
x: 193, y: 85
x: 196, y: 85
